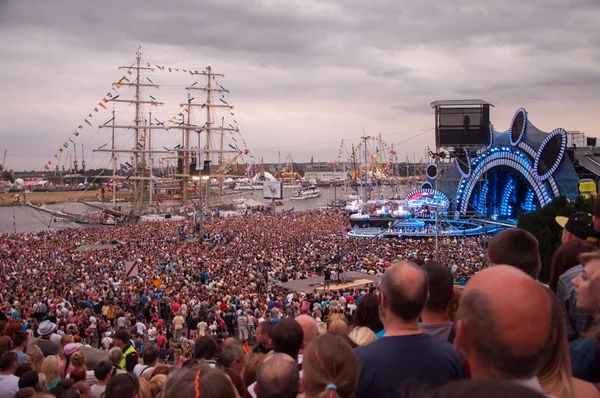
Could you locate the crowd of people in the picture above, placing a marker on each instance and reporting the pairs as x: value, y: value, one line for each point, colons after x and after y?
x: 210, y: 318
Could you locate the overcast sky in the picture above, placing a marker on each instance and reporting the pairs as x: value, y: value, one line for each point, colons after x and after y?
x: 303, y: 74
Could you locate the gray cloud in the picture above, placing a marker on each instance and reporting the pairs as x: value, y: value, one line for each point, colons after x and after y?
x: 303, y: 74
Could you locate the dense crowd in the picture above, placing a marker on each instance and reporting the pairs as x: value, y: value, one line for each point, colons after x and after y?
x: 208, y: 316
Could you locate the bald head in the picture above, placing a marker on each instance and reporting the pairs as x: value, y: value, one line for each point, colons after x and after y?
x: 505, y: 321
x: 309, y: 328
x: 404, y: 291
x: 277, y: 377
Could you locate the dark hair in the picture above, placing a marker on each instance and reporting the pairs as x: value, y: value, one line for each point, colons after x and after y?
x: 26, y: 392
x: 518, y: 248
x: 150, y: 354
x: 22, y: 369
x: 19, y: 338
x: 237, y: 380
x: 205, y: 348
x: 567, y: 257
x: 29, y: 379
x: 12, y: 328
x: 440, y: 284
x: 122, y: 335
x: 476, y: 313
x: 123, y: 386
x: 277, y: 377
x: 198, y: 380
x: 78, y: 374
x: 287, y: 337
x: 401, y: 304
x: 265, y: 327
x: 102, y: 370
x: 367, y: 313
x: 231, y: 353
x: 7, y: 360
x: 480, y: 388
x: 329, y: 359
x: 71, y: 392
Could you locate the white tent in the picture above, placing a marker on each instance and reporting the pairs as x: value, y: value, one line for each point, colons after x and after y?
x: 266, y: 176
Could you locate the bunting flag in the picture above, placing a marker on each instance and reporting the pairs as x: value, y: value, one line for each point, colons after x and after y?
x: 100, y: 147
x: 153, y: 99
x: 194, y: 84
x: 169, y: 69
x: 115, y: 97
x: 95, y: 109
x: 102, y: 105
x: 56, y: 155
x: 66, y: 145
x: 46, y: 167
x: 80, y: 127
x: 87, y: 122
x: 118, y: 84
x: 60, y: 149
x: 76, y: 133
x: 147, y: 78
x: 110, y: 120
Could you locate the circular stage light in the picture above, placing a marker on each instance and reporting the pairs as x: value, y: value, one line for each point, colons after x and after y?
x: 426, y: 185
x: 431, y: 171
x: 550, y: 154
x: 518, y: 127
x: 463, y: 163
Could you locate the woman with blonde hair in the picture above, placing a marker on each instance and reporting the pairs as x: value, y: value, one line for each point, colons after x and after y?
x: 362, y: 335
x: 157, y: 384
x: 78, y: 362
x: 555, y: 375
x: 251, y: 366
x: 51, y: 368
x: 338, y: 326
x: 144, y: 391
x: 322, y: 328
x: 35, y: 358
x: 64, y: 340
x: 330, y: 368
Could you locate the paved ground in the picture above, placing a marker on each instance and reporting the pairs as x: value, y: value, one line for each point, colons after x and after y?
x: 355, y: 280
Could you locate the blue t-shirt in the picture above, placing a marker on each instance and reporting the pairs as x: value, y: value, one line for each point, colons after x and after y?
x: 584, y: 359
x: 396, y: 366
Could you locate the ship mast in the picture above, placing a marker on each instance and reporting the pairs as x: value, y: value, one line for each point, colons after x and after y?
x: 137, y: 176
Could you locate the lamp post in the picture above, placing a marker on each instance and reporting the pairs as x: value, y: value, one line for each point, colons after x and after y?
x: 202, y: 181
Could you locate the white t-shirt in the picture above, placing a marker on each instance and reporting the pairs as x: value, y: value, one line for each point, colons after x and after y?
x: 152, y: 333
x: 9, y: 385
x: 97, y: 390
x: 141, y: 369
x: 141, y: 328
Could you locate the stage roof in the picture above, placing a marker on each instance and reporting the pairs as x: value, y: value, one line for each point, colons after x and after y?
x: 470, y: 102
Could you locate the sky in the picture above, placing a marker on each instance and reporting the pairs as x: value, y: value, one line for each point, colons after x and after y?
x: 303, y: 75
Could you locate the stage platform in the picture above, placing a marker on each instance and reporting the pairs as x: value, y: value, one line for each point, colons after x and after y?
x: 355, y: 280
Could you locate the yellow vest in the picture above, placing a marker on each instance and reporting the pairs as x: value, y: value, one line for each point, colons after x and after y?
x: 123, y: 364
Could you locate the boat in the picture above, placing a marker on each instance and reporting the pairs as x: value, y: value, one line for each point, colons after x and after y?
x: 243, y: 186
x: 309, y: 192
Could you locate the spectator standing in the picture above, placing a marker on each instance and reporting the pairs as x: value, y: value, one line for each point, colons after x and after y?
x: 518, y: 248
x: 9, y: 383
x: 263, y: 337
x: 48, y: 347
x: 178, y: 323
x: 434, y: 318
x: 405, y: 357
x: 102, y: 372
x: 130, y: 358
x: 150, y: 358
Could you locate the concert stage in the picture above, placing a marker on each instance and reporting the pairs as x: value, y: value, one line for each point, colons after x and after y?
x: 354, y: 280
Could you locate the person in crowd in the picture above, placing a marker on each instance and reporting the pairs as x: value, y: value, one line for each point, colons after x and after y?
x: 277, y: 377
x: 130, y: 357
x: 205, y: 351
x: 35, y: 357
x: 65, y: 365
x: 233, y: 357
x: 9, y: 383
x: 30, y: 379
x: 150, y: 358
x: 78, y: 361
x: 518, y: 248
x: 5, y: 344
x: 115, y: 356
x: 578, y: 227
x: 330, y: 367
x: 251, y: 366
x: 565, y: 258
x: 144, y: 387
x: 178, y: 324
x: 123, y: 386
x: 367, y: 313
x: 263, y: 337
x: 288, y: 337
x: 309, y: 331
x: 362, y: 335
x: 585, y: 351
x: 198, y: 380
x: 504, y: 336
x: 28, y: 392
x: 337, y: 324
x: 434, y: 318
x: 157, y: 384
x: 45, y: 330
x: 405, y: 357
x: 478, y: 389
x: 102, y: 373
x: 555, y: 373
x: 51, y: 368
x: 20, y: 341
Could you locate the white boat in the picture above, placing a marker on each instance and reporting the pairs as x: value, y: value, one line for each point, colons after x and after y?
x: 309, y: 192
x: 161, y: 217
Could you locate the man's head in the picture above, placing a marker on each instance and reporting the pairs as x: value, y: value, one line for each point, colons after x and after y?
x: 578, y: 226
x: 518, y: 248
x: 103, y: 370
x: 115, y: 355
x: 403, y: 292
x: 30, y: 379
x: 121, y: 339
x: 585, y: 296
x: 205, y: 348
x: 232, y: 356
x: 287, y: 337
x: 441, y: 286
x: 150, y: 355
x: 309, y: 328
x: 263, y: 334
x: 504, y: 324
x: 277, y: 377
x: 9, y: 362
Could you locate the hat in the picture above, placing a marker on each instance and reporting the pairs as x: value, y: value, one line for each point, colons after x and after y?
x: 71, y: 348
x: 580, y: 224
x: 45, y: 328
x: 122, y: 335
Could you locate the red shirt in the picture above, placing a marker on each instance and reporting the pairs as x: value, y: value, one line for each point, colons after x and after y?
x: 175, y: 308
x: 161, y: 340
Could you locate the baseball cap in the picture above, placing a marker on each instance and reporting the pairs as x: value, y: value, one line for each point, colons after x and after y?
x: 580, y: 224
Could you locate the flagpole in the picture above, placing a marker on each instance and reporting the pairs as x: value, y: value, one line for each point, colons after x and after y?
x: 114, y: 159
